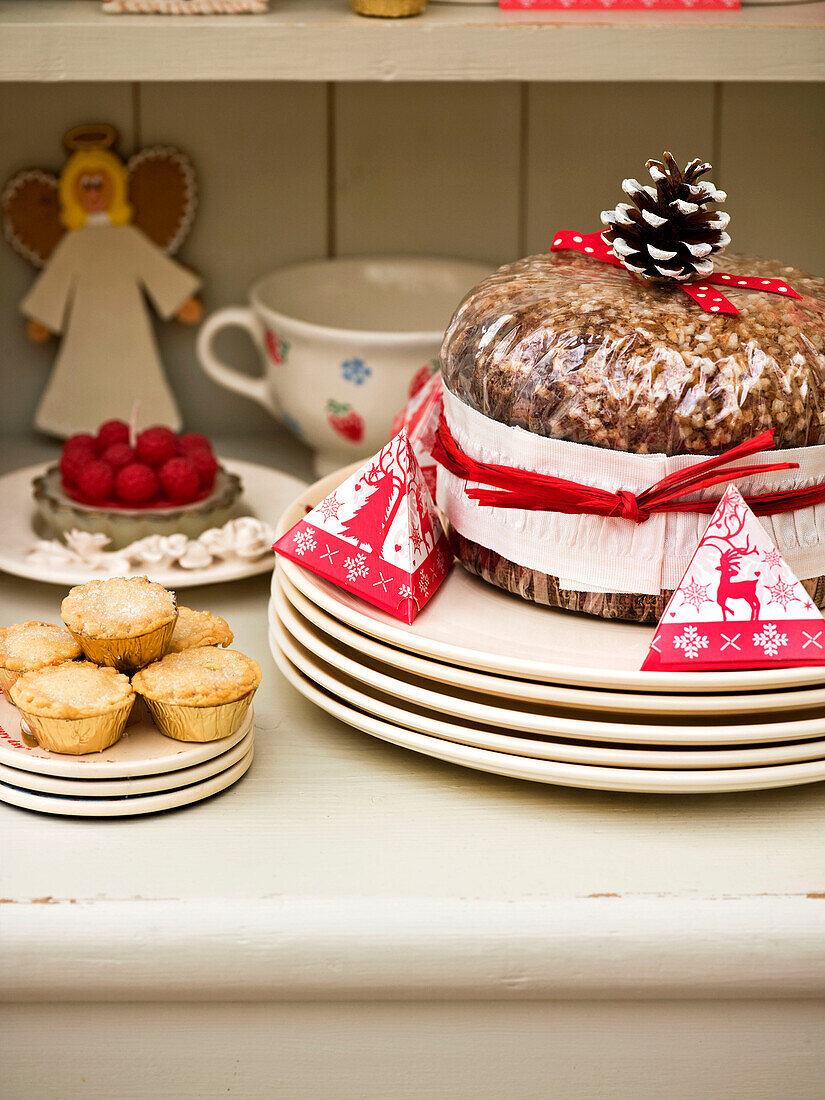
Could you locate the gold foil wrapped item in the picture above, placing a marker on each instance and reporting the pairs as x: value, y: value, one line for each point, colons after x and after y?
x: 7, y: 678
x: 78, y: 736
x: 211, y: 723
x: 127, y: 654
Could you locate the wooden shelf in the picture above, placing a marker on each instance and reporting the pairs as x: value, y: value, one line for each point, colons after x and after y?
x: 57, y: 40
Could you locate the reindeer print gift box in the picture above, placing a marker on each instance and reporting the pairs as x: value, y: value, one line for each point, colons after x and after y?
x: 561, y: 366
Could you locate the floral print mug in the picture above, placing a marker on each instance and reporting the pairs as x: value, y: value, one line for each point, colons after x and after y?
x: 344, y: 343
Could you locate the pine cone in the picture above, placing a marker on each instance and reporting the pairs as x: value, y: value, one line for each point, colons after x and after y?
x: 671, y: 235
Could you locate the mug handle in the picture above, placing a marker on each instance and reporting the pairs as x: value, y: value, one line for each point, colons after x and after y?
x: 222, y: 373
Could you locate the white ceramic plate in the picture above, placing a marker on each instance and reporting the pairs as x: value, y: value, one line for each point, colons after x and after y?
x: 603, y: 753
x: 525, y: 719
x: 635, y: 780
x: 125, y: 807
x: 122, y: 788
x: 266, y: 493
x: 476, y: 625
x: 142, y: 750
x: 525, y: 691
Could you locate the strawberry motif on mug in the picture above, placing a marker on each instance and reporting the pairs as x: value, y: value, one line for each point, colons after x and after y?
x: 344, y: 420
x: 277, y: 347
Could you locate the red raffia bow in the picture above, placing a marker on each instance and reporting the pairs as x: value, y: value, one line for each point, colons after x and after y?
x: 514, y: 488
x: 702, y: 292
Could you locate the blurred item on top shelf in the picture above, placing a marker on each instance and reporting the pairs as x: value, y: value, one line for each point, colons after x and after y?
x: 344, y: 344
x: 185, y: 7
x: 103, y: 231
x: 388, y: 9
x: 614, y: 5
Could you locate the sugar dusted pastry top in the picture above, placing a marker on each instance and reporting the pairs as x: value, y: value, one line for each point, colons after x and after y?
x: 118, y: 607
x: 203, y: 677
x: 194, y: 629
x: 75, y: 689
x: 31, y: 645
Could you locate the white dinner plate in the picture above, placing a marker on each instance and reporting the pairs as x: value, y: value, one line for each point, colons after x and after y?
x: 525, y: 720
x: 125, y: 807
x: 265, y: 494
x: 476, y: 625
x: 635, y: 780
x: 544, y: 694
x: 121, y: 788
x: 605, y: 754
x: 142, y: 750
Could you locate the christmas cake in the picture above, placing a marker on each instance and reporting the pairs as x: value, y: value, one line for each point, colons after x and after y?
x: 618, y: 360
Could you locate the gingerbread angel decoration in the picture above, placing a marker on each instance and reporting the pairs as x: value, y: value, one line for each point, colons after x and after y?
x: 103, y: 233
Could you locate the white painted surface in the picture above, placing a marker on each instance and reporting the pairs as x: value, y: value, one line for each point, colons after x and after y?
x: 339, y: 867
x: 527, y: 1051
x: 323, y: 39
x: 493, y: 917
x: 411, y: 948
x: 327, y: 813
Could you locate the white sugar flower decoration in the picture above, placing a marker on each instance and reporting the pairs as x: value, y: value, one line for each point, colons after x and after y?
x: 217, y: 541
x: 89, y: 548
x: 196, y: 556
x: 157, y: 550
x: 246, y: 539
x: 252, y: 538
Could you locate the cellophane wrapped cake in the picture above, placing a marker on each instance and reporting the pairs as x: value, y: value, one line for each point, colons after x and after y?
x: 614, y: 376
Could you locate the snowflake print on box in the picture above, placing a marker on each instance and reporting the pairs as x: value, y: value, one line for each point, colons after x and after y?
x: 695, y: 593
x: 356, y: 567
x: 769, y: 639
x: 355, y: 371
x: 377, y: 535
x: 304, y: 541
x: 691, y: 642
x: 737, y: 578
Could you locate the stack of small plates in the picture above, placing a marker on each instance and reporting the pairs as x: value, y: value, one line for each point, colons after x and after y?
x: 142, y: 773
x: 489, y: 681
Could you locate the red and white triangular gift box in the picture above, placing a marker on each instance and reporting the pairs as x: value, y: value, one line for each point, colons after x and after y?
x: 738, y: 605
x: 420, y: 417
x: 378, y: 535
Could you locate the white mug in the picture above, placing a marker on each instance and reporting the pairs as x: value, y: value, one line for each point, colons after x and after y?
x: 344, y: 344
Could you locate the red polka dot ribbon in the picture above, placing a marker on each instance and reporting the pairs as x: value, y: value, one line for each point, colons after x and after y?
x: 703, y: 293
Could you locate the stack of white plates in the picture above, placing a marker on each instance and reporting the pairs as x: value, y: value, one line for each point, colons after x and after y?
x: 142, y: 773
x: 489, y: 681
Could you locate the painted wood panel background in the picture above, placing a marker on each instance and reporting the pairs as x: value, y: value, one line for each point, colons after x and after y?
x: 292, y: 171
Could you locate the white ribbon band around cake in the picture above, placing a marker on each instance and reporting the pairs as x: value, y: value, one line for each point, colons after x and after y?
x: 610, y: 554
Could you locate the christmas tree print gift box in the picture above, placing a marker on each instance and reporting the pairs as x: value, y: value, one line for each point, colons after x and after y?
x: 377, y: 535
